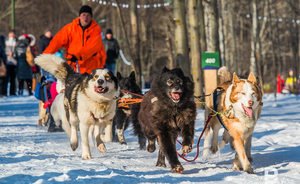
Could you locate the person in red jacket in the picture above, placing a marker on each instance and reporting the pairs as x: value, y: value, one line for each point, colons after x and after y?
x: 82, y: 41
x: 280, y: 83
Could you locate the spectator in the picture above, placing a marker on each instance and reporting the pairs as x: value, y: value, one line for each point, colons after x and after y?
x: 280, y: 83
x: 25, y: 62
x: 82, y: 42
x: 11, y: 64
x: 44, y: 41
x: 34, y: 68
x: 290, y: 82
x: 112, y: 50
x: 3, y: 60
x: 42, y: 45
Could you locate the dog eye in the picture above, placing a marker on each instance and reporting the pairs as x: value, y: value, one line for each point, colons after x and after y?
x: 178, y: 81
x: 107, y: 78
x: 170, y: 82
x: 96, y: 76
x: 242, y: 93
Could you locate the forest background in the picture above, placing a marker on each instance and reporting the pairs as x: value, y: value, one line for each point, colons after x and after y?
x: 250, y: 35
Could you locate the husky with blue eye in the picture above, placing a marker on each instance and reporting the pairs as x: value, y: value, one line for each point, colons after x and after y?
x: 89, y: 101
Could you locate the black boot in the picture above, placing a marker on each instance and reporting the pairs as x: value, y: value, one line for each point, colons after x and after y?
x: 51, y: 125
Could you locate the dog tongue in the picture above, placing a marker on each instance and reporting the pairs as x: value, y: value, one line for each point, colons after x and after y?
x: 248, y: 111
x: 175, y: 96
x: 99, y: 89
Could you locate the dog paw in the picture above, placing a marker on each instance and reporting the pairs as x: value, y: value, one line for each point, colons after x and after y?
x: 159, y: 164
x: 236, y: 167
x: 214, y: 149
x: 86, y: 156
x: 177, y: 169
x: 205, y: 153
x: 142, y: 142
x: 102, y: 148
x: 186, y: 149
x: 74, y: 146
x: 250, y: 171
x: 142, y: 147
x: 151, y: 148
x: 123, y: 142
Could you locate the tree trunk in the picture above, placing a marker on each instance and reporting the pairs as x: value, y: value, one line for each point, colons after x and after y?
x: 170, y: 47
x: 83, y: 2
x: 222, y: 34
x: 194, y: 45
x: 254, y: 37
x: 135, y: 41
x: 295, y: 38
x: 273, y: 51
x: 13, y: 15
x: 203, y: 45
x: 261, y: 40
x: 181, y: 45
x: 213, y: 27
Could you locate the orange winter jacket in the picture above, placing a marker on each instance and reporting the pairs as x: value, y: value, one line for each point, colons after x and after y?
x: 86, y: 45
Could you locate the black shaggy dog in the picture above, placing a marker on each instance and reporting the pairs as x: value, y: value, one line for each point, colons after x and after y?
x: 168, y: 110
x: 125, y: 115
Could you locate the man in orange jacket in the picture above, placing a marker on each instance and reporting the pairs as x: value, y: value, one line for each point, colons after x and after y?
x: 82, y: 42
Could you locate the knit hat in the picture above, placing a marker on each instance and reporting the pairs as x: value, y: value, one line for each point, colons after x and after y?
x: 109, y: 31
x: 86, y: 9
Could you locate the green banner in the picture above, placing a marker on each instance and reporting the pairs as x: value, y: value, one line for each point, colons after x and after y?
x: 210, y: 60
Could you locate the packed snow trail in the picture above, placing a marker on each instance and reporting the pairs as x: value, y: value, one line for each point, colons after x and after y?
x: 29, y: 154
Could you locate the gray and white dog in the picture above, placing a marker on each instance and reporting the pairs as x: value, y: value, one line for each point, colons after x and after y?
x: 89, y: 101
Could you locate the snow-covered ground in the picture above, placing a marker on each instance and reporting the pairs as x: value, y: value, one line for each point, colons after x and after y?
x: 29, y: 154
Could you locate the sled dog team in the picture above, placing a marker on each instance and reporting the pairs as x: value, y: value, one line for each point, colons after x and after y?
x: 167, y: 110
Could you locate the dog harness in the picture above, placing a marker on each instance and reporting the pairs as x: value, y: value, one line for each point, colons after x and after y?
x: 218, y: 91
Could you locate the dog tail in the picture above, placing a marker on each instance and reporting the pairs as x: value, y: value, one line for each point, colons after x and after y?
x: 54, y: 65
x: 224, y: 75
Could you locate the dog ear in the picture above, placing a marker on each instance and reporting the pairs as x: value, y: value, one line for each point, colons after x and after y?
x: 114, y: 78
x: 252, y: 78
x: 119, y: 76
x: 179, y: 72
x: 189, y: 85
x: 235, y: 78
x: 132, y: 76
x: 165, y: 69
x: 93, y: 72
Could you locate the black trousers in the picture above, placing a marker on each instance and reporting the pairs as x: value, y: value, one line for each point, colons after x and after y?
x: 2, y: 86
x: 21, y: 86
x: 11, y: 76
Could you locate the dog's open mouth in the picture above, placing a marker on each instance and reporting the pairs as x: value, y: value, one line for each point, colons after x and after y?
x: 248, y: 111
x: 100, y: 89
x: 175, y: 96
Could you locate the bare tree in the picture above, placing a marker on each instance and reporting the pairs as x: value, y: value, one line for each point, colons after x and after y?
x: 181, y: 45
x: 194, y: 45
x: 203, y: 45
x: 254, y: 36
x: 213, y: 26
x: 274, y: 53
x: 135, y: 40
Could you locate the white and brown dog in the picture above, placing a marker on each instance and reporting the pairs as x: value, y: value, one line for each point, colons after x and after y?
x: 88, y: 102
x: 240, y: 105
